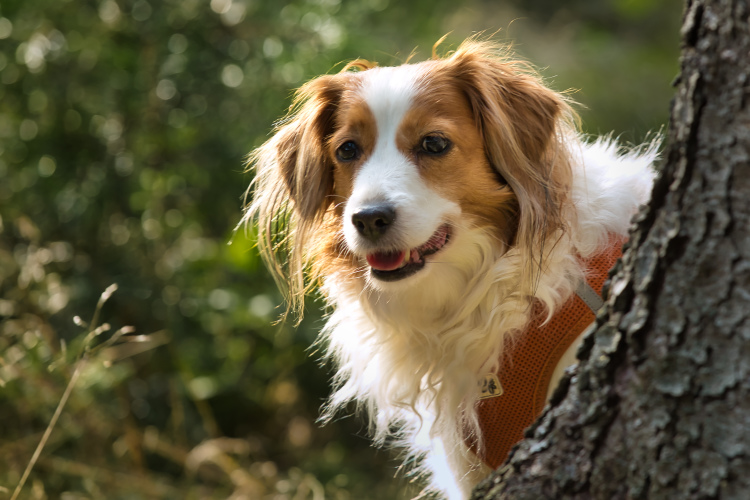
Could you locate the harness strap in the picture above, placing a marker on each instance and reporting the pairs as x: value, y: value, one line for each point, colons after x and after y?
x: 513, y: 398
x: 589, y: 296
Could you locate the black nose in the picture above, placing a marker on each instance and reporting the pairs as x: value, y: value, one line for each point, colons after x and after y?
x: 372, y: 222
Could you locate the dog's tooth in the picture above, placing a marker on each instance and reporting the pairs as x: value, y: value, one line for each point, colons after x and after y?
x: 404, y: 261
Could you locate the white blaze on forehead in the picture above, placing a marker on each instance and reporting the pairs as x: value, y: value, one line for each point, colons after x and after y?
x: 389, y: 92
x: 388, y: 175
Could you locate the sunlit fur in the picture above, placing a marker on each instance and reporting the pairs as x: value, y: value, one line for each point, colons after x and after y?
x: 523, y: 194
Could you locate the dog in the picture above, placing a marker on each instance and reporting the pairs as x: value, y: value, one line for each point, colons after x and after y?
x: 452, y: 215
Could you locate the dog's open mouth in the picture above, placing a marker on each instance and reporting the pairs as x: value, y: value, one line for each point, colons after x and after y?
x: 393, y: 266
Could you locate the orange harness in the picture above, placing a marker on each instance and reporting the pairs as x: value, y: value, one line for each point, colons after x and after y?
x: 527, y: 366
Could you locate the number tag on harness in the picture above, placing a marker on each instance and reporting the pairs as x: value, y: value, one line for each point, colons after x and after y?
x: 490, y: 387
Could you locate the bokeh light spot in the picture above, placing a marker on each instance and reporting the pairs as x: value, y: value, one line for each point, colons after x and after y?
x: 141, y: 10
x: 6, y: 28
x: 272, y: 47
x: 177, y: 44
x: 28, y: 130
x: 232, y: 75
x: 220, y: 299
x: 109, y: 12
x: 261, y: 306
x: 166, y: 89
x: 46, y: 166
x: 221, y: 6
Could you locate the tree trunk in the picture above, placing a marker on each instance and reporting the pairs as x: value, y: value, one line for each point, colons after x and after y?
x: 659, y: 407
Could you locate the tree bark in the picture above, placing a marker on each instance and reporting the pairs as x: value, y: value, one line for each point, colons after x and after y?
x: 659, y: 407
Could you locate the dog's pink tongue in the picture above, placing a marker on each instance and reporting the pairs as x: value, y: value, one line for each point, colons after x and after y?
x: 386, y: 261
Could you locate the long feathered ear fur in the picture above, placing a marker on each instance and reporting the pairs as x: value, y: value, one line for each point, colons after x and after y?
x: 293, y: 185
x: 524, y: 125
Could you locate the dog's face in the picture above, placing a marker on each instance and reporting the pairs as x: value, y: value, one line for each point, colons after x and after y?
x: 409, y: 170
x: 388, y: 168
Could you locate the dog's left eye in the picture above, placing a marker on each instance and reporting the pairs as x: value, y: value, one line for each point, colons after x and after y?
x: 435, y: 144
x: 348, y: 151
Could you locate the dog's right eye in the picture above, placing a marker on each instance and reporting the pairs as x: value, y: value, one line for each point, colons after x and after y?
x: 348, y: 151
x: 435, y: 144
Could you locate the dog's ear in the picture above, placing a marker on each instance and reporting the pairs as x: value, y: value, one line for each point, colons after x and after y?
x: 299, y: 146
x: 520, y: 120
x: 293, y: 183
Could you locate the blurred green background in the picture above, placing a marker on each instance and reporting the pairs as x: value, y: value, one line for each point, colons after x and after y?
x: 123, y: 130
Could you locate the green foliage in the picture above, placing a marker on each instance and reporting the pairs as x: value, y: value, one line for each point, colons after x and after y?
x: 123, y: 130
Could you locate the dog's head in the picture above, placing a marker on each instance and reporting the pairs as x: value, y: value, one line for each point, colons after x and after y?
x: 378, y: 173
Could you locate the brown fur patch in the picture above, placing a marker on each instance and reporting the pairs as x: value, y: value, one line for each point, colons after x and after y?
x: 523, y: 124
x: 463, y: 173
x: 354, y: 122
